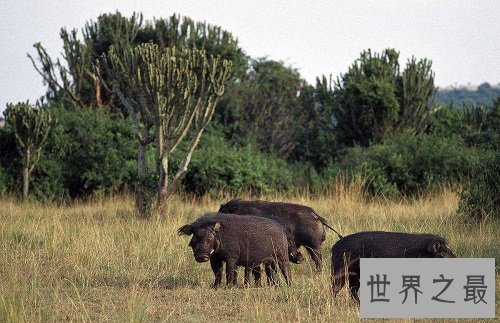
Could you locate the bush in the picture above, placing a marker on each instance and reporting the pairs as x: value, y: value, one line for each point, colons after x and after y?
x: 479, y: 126
x: 218, y: 165
x: 10, y: 161
x: 410, y: 164
x: 447, y: 121
x: 481, y: 196
x: 96, y: 150
x: 88, y: 152
x: 3, y: 182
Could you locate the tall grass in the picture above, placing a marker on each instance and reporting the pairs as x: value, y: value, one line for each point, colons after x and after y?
x: 96, y: 261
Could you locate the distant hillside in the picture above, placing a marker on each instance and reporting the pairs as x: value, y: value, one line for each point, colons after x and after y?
x: 483, y: 94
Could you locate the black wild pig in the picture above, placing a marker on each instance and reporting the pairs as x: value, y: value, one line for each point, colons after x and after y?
x: 294, y: 256
x: 246, y: 241
x: 378, y: 244
x: 305, y: 225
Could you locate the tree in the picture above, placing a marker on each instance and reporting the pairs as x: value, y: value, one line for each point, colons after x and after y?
x: 265, y: 106
x: 374, y: 99
x: 478, y: 125
x: 167, y: 93
x: 31, y: 127
x: 88, y: 152
x: 75, y: 78
x: 484, y: 94
x: 481, y: 125
x: 415, y: 92
x: 315, y: 132
x: 480, y: 198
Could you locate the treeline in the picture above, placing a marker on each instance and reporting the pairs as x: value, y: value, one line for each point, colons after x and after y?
x: 271, y: 131
x: 484, y: 94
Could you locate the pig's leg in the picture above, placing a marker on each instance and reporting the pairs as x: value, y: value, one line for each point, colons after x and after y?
x: 354, y: 275
x: 231, y: 272
x: 270, y: 273
x: 315, y: 253
x: 285, y: 270
x: 354, y: 286
x: 338, y: 281
x: 217, y: 267
x: 256, y: 275
x: 247, y: 275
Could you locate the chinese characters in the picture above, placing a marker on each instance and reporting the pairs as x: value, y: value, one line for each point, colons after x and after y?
x: 475, y: 289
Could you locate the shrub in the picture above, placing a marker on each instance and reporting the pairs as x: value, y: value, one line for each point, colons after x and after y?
x: 410, y: 164
x: 218, y: 165
x: 479, y: 126
x: 97, y: 150
x: 10, y: 161
x: 481, y: 195
x: 88, y: 152
x: 3, y: 182
x: 447, y: 121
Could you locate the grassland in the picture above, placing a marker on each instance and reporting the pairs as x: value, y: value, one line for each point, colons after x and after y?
x: 96, y: 261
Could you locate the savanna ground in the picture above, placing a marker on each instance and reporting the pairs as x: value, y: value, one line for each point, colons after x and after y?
x: 96, y: 261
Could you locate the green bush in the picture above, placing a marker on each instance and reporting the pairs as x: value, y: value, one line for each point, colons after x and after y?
x: 48, y: 182
x: 479, y: 126
x: 410, y: 164
x: 481, y: 195
x: 96, y: 150
x: 88, y: 152
x: 447, y: 121
x: 10, y: 161
x: 3, y: 182
x: 217, y: 166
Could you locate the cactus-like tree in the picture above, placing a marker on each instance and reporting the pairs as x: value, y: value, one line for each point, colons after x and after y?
x: 31, y: 127
x: 375, y: 99
x: 74, y: 77
x: 168, y: 93
x: 416, y: 94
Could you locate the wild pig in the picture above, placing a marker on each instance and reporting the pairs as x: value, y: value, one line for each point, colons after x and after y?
x: 379, y: 244
x: 247, y: 241
x: 305, y: 225
x: 294, y: 256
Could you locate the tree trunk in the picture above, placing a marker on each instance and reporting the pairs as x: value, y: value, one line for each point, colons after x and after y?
x: 162, y: 162
x: 163, y: 196
x: 141, y: 179
x: 26, y: 174
x: 164, y: 190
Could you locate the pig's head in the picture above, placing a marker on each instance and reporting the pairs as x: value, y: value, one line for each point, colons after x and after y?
x: 438, y: 249
x: 296, y: 257
x: 205, y: 240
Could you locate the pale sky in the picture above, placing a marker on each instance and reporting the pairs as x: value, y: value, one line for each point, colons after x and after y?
x: 462, y: 38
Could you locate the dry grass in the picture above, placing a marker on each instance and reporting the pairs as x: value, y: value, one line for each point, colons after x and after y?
x: 96, y: 262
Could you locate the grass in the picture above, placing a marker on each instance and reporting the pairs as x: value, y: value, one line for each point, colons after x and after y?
x: 95, y: 261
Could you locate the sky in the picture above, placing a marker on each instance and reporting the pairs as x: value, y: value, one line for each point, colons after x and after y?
x: 320, y: 37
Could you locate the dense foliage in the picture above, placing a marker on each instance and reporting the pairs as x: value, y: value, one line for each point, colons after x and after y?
x: 30, y: 126
x: 484, y: 94
x: 481, y: 196
x: 271, y: 131
x: 88, y: 152
x: 375, y: 99
x: 410, y: 164
x: 265, y: 106
x: 79, y: 80
x: 219, y: 166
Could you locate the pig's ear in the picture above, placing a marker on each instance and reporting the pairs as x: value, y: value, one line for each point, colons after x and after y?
x: 186, y: 230
x: 434, y: 247
x: 216, y: 226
